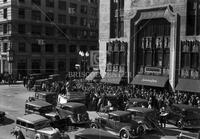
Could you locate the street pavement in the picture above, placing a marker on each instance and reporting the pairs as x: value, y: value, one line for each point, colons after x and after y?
x: 12, y: 101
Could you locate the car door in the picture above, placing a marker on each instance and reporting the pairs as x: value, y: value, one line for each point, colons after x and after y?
x: 110, y: 124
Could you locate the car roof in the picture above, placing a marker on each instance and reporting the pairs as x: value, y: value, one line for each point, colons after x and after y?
x: 92, y: 133
x: 183, y: 107
x: 42, y: 80
x: 140, y: 109
x: 39, y: 103
x: 138, y: 100
x: 119, y: 113
x: 32, y: 118
x: 73, y: 104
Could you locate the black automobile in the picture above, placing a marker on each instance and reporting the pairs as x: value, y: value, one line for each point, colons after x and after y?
x: 121, y: 123
x: 50, y: 97
x: 2, y: 116
x: 75, y: 112
x: 148, y: 117
x: 184, y: 116
x: 137, y: 102
x: 92, y: 133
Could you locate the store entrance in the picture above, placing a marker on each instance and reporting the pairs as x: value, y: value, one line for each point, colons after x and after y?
x: 153, y: 49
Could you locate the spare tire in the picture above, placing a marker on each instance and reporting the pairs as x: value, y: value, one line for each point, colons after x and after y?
x: 124, y: 134
x: 94, y: 125
x: 140, y: 130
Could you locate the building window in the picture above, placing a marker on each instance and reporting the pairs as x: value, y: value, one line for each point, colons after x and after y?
x: 49, y: 16
x: 5, y: 47
x: 50, y: 66
x: 49, y: 48
x: 5, y: 13
x: 36, y: 15
x: 84, y: 34
x: 37, y: 2
x: 93, y: 11
x: 117, y: 20
x: 22, y: 47
x: 21, y: 29
x: 50, y: 31
x: 61, y: 48
x: 193, y: 17
x: 50, y: 3
x: 35, y: 66
x: 72, y: 8
x: 83, y: 9
x: 21, y: 13
x: 22, y: 1
x: 4, y: 1
x: 83, y: 21
x: 62, y: 5
x: 5, y: 28
x: 73, y: 32
x: 62, y: 19
x: 72, y: 48
x: 73, y: 62
x: 73, y: 20
x: 36, y: 29
x: 62, y: 32
x: 61, y: 65
x: 35, y: 48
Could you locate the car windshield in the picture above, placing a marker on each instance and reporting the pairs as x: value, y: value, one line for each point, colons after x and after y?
x: 46, y: 109
x: 81, y: 109
x: 125, y: 118
x: 42, y: 124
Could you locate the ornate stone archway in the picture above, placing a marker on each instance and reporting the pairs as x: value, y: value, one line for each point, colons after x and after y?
x: 167, y: 13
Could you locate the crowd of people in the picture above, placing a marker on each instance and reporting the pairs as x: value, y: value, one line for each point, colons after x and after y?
x: 6, y: 78
x: 97, y: 94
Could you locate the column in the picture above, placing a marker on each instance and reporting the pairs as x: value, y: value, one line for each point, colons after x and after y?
x: 2, y: 65
x: 172, y: 66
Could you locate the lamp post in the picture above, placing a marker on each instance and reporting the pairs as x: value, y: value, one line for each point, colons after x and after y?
x: 84, y: 56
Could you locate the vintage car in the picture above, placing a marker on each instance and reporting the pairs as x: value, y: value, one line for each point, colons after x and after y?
x: 2, y: 116
x: 184, y: 116
x: 38, y: 84
x: 76, y: 113
x: 92, y: 133
x: 38, y: 107
x: 148, y: 117
x: 121, y: 123
x: 137, y: 102
x: 71, y: 96
x: 33, y: 126
x: 50, y: 97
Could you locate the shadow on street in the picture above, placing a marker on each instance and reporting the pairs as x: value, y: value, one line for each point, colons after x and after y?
x: 7, y: 121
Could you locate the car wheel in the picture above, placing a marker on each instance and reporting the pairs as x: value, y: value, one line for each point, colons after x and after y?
x: 180, y: 124
x: 140, y: 130
x: 124, y: 134
x: 94, y: 125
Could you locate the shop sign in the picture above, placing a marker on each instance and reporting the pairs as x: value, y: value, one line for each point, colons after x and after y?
x: 152, y: 70
x: 149, y: 80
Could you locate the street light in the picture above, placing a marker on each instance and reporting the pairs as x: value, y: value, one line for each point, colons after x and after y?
x: 84, y: 56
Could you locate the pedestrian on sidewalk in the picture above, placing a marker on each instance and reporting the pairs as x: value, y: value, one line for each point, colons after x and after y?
x: 163, y: 117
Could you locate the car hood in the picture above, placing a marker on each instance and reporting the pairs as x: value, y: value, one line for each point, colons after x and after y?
x: 49, y: 130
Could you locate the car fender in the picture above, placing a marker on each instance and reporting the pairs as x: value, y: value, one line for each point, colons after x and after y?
x: 127, y: 128
x: 37, y: 136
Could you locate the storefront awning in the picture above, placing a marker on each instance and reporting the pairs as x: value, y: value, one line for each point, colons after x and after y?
x: 147, y: 80
x: 113, y: 77
x: 94, y: 75
x: 188, y: 85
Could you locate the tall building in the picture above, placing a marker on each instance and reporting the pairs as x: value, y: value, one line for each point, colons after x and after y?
x: 45, y: 36
x: 151, y: 43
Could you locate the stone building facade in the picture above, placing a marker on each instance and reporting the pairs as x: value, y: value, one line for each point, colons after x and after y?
x: 161, y: 40
x: 45, y: 36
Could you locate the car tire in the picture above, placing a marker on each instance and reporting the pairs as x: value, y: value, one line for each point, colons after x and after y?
x: 140, y: 130
x: 124, y: 134
x: 179, y: 124
x: 94, y: 125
